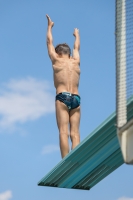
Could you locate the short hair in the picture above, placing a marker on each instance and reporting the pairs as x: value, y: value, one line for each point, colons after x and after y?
x: 63, y: 49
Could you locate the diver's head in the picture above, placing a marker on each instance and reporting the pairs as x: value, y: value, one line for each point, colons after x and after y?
x: 61, y: 49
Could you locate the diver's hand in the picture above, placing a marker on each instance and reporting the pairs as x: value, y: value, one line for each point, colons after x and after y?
x: 76, y: 32
x: 50, y: 23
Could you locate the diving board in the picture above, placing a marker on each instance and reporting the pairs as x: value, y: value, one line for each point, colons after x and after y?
x: 92, y: 160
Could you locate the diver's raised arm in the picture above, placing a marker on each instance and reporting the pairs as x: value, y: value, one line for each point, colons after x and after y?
x: 50, y: 46
x: 76, y: 47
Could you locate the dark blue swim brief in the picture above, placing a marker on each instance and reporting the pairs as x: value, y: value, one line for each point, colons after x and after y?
x: 70, y: 100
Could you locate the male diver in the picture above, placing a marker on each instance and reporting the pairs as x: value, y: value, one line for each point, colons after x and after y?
x: 66, y: 80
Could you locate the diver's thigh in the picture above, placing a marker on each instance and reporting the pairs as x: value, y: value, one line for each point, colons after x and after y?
x: 75, y: 118
x: 62, y: 115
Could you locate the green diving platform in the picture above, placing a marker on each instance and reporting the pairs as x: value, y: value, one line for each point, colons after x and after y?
x: 92, y: 160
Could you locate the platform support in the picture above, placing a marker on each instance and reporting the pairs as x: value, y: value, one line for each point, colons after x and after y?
x: 124, y: 129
